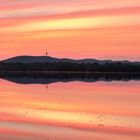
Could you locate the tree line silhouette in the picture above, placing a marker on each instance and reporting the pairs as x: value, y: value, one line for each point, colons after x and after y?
x: 68, y: 66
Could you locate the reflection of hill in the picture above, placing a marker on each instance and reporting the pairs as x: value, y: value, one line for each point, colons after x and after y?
x: 52, y: 77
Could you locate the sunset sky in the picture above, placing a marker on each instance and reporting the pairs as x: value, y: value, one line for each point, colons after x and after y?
x: 101, y: 29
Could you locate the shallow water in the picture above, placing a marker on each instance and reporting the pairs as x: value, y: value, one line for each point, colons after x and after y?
x: 70, y: 111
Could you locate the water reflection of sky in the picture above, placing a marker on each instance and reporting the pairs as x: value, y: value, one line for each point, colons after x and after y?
x: 74, y: 110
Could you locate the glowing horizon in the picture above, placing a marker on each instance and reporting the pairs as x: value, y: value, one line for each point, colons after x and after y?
x: 101, y: 29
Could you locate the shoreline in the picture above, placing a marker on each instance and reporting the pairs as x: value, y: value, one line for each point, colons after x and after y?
x: 71, y: 72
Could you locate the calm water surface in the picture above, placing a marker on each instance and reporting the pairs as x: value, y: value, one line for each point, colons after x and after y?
x: 70, y: 111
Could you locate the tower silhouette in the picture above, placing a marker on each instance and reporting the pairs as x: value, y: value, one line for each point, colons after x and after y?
x: 46, y: 52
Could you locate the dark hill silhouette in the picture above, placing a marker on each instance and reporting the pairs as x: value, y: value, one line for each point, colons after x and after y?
x: 47, y: 63
x: 46, y: 59
x: 31, y: 59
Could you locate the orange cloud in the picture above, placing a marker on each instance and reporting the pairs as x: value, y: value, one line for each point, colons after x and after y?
x: 103, y: 29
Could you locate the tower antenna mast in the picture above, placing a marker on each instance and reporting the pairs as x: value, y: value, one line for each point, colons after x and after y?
x: 46, y: 52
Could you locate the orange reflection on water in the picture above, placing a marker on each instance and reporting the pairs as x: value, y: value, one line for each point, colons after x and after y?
x: 74, y: 110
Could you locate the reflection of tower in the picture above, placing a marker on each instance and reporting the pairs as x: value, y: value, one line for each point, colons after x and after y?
x: 46, y: 88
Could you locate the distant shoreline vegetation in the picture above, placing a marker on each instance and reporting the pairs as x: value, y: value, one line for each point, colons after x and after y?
x: 47, y: 63
x: 72, y: 67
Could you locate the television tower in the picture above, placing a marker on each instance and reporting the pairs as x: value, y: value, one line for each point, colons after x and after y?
x: 46, y: 52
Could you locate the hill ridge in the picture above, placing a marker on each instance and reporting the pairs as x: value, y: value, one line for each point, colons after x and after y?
x: 44, y: 59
